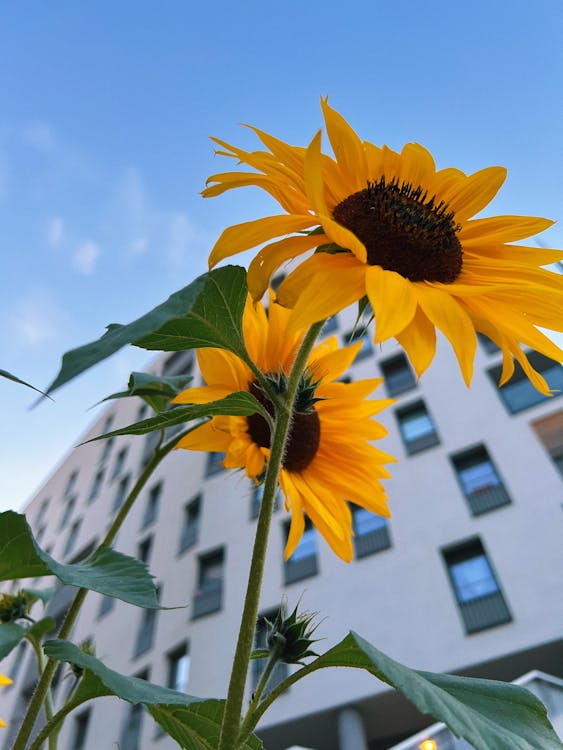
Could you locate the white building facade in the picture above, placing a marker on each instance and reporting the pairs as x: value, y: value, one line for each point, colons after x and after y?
x: 465, y: 577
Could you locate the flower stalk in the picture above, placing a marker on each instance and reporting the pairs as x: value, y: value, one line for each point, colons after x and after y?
x: 230, y: 728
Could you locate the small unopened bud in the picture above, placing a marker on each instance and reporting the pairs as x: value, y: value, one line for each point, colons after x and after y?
x: 289, y: 637
x: 15, y: 606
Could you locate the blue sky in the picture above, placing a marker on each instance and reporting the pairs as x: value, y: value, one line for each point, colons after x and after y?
x: 104, y: 124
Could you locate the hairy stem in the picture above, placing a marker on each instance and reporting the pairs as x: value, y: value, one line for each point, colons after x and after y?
x: 233, y: 707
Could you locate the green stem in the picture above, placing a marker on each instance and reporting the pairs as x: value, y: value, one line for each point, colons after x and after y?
x: 268, y: 669
x: 53, y: 726
x: 231, y: 719
x: 41, y: 665
x: 42, y: 688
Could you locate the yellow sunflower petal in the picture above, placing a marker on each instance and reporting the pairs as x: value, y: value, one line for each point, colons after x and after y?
x: 244, y: 236
x: 293, y: 286
x: 271, y: 257
x: 206, y: 438
x: 454, y: 322
x: 503, y: 228
x: 333, y: 365
x: 219, y: 367
x: 5, y: 680
x: 419, y: 341
x: 471, y: 195
x: 202, y: 395
x: 326, y: 295
x: 347, y: 147
x: 393, y: 300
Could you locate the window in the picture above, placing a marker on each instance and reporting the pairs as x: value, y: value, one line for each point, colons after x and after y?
x: 41, y: 513
x: 80, y: 730
x: 417, y: 429
x: 67, y: 513
x: 144, y: 550
x: 190, y: 529
x: 96, y: 486
x: 121, y: 493
x: 39, y: 533
x: 489, y: 346
x: 280, y: 671
x: 70, y: 484
x: 277, y: 280
x: 179, y: 668
x: 519, y: 394
x: 119, y: 463
x: 147, y: 627
x: 131, y: 731
x: 361, y: 333
x: 108, y: 424
x: 142, y: 412
x: 550, y: 432
x: 108, y: 445
x: 371, y: 532
x: 303, y: 562
x: 151, y: 510
x: 214, y: 463
x: 479, y: 480
x: 330, y: 326
x: 179, y: 363
x: 476, y: 589
x: 256, y: 501
x: 209, y: 593
x: 72, y: 537
x: 151, y: 441
x: 398, y: 375
x: 106, y: 605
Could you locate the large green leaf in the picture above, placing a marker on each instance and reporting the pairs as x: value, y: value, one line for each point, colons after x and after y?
x: 239, y: 404
x: 15, y: 379
x: 215, y: 319
x: 486, y: 713
x: 78, y: 360
x: 156, y: 391
x: 105, y: 570
x: 194, y: 723
x: 198, y: 726
x: 11, y: 633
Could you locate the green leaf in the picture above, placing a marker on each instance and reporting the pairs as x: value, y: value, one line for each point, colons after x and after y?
x: 214, y: 320
x: 42, y: 627
x: 10, y: 636
x: 198, y: 726
x: 156, y: 391
x: 486, y: 713
x: 260, y: 653
x: 239, y: 404
x: 105, y: 570
x: 45, y: 595
x: 116, y: 336
x: 194, y: 723
x: 13, y: 378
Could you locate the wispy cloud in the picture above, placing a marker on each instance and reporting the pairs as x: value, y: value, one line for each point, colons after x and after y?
x: 39, y: 135
x: 36, y: 319
x: 85, y: 257
x: 55, y: 231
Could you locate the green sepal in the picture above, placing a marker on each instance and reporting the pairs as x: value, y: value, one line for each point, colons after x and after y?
x: 486, y: 713
x: 237, y: 404
x: 260, y: 653
x: 156, y: 391
x: 106, y: 571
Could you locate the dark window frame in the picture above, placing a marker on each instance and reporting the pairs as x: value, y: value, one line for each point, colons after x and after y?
x: 208, y: 594
x: 518, y: 394
x: 484, y: 498
x: 191, y: 522
x: 425, y: 441
x: 299, y: 566
x: 398, y: 375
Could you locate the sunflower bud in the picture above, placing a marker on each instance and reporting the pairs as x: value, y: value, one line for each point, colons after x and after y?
x: 15, y: 606
x: 289, y: 638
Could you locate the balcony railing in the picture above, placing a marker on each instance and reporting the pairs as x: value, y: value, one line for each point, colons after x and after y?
x: 207, y: 601
x: 488, y: 498
x: 485, y: 612
x: 296, y: 570
x: 372, y: 542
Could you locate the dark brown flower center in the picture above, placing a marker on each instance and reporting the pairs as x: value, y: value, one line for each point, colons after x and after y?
x: 304, y: 433
x: 404, y: 231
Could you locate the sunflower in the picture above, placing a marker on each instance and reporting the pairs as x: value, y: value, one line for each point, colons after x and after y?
x: 391, y: 227
x: 4, y: 681
x: 329, y: 459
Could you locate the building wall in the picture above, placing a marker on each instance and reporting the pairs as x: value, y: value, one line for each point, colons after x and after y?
x: 400, y: 598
